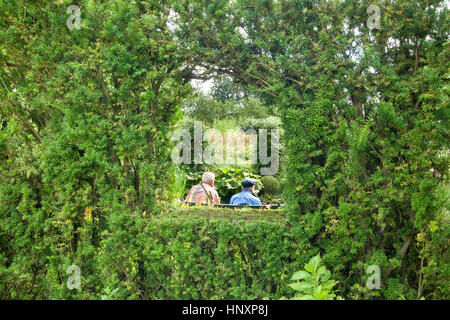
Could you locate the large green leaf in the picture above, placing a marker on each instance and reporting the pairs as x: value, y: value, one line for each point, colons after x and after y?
x: 299, y: 275
x: 300, y: 286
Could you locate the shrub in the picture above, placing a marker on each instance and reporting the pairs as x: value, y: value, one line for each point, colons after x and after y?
x: 366, y: 139
x: 185, y: 253
x: 225, y: 254
x: 313, y: 283
x: 88, y: 150
x: 270, y: 185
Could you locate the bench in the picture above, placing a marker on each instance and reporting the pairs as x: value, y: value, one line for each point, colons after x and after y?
x: 234, y: 206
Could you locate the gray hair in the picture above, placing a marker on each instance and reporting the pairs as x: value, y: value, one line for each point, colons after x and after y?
x: 208, y: 177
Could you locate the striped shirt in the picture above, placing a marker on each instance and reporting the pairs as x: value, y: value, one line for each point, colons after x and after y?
x: 197, y: 194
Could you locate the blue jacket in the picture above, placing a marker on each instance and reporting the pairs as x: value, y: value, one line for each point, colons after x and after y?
x: 245, y: 198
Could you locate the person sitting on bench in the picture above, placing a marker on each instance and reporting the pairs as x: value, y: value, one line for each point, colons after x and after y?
x: 204, y: 192
x: 246, y: 197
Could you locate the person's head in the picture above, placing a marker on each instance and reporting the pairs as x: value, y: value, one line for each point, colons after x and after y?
x: 248, y: 184
x: 208, y: 178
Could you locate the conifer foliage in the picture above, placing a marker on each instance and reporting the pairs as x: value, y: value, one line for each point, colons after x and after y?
x: 86, y: 114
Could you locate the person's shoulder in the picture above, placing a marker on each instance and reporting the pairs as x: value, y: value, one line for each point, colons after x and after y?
x: 256, y: 199
x: 233, y: 197
x: 216, y: 194
x: 253, y: 196
x: 194, y: 187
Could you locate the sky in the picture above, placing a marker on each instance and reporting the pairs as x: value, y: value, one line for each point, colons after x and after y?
x: 203, y: 86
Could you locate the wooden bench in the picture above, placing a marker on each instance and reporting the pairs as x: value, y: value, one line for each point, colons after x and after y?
x: 234, y: 206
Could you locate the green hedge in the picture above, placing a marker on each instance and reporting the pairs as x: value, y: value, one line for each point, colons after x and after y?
x: 188, y: 253
x: 365, y: 132
x: 237, y: 255
x: 84, y: 147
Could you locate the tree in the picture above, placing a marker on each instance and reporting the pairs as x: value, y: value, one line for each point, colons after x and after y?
x: 88, y: 116
x: 359, y: 109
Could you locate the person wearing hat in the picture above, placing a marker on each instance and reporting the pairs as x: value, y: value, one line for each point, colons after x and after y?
x: 246, y: 197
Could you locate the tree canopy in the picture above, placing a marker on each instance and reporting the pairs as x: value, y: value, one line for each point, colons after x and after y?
x: 86, y: 116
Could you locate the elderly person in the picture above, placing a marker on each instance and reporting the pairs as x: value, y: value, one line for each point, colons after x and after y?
x: 204, y: 192
x: 246, y: 197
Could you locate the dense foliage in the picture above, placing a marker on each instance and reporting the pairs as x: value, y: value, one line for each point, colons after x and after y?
x: 85, y: 123
x: 313, y: 283
x: 86, y: 118
x: 197, y: 253
x: 366, y: 126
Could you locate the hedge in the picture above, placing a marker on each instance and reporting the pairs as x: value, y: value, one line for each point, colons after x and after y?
x: 187, y: 253
x: 237, y: 255
x: 87, y: 115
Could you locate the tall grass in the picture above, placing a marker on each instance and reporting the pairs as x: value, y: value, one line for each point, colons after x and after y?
x: 179, y: 187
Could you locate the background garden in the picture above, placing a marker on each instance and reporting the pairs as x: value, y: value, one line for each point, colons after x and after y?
x: 86, y: 177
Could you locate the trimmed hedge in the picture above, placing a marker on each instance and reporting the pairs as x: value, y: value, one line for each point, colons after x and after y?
x: 186, y: 253
x: 205, y: 254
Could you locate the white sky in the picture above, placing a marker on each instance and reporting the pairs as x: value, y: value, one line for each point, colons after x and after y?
x: 203, y: 86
